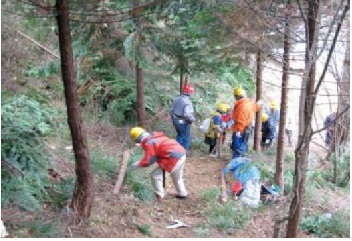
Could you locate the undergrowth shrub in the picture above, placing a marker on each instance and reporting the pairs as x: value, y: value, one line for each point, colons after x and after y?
x: 24, y: 123
x: 340, y: 168
x: 139, y: 179
x: 336, y: 225
x: 103, y: 165
x: 61, y: 191
x: 202, y: 231
x: 38, y: 228
x: 229, y: 216
x: 211, y: 194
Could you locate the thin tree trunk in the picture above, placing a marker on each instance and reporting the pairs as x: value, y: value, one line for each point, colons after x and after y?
x: 139, y: 74
x: 84, y: 189
x: 343, y: 126
x: 140, y: 96
x: 181, y: 80
x: 302, y: 150
x: 279, y: 177
x: 258, y: 121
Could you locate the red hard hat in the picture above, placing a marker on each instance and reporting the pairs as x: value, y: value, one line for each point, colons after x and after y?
x: 188, y: 89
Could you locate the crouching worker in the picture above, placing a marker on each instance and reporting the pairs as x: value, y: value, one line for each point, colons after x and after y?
x: 268, y: 131
x: 168, y: 154
x: 247, y: 180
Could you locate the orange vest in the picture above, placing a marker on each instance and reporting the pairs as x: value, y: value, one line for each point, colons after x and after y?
x: 243, y: 114
x: 162, y: 150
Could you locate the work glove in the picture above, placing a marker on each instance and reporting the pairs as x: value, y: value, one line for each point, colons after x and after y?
x: 260, y: 102
x: 135, y: 165
x: 223, y: 125
x: 238, y: 134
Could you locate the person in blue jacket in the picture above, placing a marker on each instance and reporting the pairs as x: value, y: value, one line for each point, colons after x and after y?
x: 247, y: 176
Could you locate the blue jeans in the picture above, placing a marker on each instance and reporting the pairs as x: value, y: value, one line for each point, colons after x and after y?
x: 183, y: 131
x: 239, y: 145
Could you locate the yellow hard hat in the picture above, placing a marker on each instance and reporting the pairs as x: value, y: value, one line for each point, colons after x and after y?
x: 239, y: 92
x: 222, y: 107
x: 264, y: 117
x: 136, y: 132
x: 273, y: 104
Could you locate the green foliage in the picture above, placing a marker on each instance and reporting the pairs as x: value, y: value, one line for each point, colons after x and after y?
x: 103, y: 165
x: 340, y: 159
x: 228, y: 217
x: 211, y: 195
x: 202, y: 231
x: 21, y: 191
x: 139, y: 180
x: 235, y: 75
x: 271, y: 151
x: 42, y: 229
x: 289, y: 157
x: 328, y: 225
x: 48, y: 69
x: 144, y: 229
x: 62, y: 191
x: 23, y: 123
x: 288, y: 180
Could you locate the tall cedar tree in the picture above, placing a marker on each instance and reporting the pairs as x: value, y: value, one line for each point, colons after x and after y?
x: 279, y: 178
x: 305, y: 127
x: 259, y: 85
x: 84, y: 189
x: 139, y: 71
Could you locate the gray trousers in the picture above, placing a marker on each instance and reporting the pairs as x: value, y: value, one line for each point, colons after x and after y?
x: 176, y: 176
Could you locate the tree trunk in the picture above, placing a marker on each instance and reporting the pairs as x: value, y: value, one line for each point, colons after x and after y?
x: 140, y: 97
x: 139, y: 74
x: 305, y: 130
x: 258, y: 121
x: 84, y: 189
x: 343, y: 125
x: 181, y: 80
x: 279, y: 177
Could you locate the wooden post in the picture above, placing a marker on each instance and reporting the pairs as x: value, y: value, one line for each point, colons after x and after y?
x: 122, y: 172
x: 223, y: 187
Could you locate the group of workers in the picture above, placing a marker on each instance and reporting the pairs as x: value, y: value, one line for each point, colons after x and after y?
x: 170, y: 154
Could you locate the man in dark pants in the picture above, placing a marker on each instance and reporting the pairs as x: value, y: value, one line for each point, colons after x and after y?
x: 182, y: 114
x: 242, y: 116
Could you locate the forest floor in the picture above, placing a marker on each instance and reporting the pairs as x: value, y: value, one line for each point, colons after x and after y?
x: 125, y: 216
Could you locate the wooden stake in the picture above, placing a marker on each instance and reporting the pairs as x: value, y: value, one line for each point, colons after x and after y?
x: 223, y: 188
x: 122, y: 172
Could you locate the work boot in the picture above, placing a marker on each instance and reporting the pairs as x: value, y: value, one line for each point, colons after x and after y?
x: 158, y: 198
x: 180, y: 197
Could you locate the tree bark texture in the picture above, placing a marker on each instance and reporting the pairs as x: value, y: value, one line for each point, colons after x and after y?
x: 181, y: 80
x: 302, y: 149
x: 258, y: 119
x: 343, y: 125
x: 341, y: 131
x: 140, y: 96
x: 84, y: 188
x: 141, y: 117
x: 279, y: 176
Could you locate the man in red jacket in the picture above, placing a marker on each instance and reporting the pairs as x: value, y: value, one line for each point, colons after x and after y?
x: 168, y: 154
